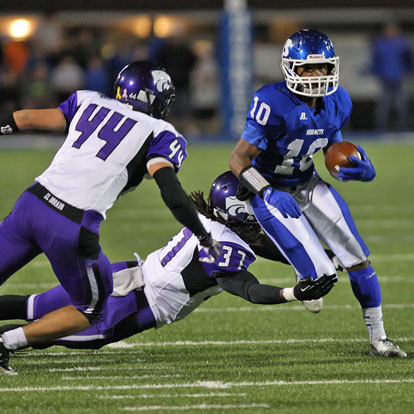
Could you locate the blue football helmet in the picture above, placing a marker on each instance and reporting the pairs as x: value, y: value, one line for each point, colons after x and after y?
x: 224, y: 202
x: 310, y: 47
x: 145, y: 88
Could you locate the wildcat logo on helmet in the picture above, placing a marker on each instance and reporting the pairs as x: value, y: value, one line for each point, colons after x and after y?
x: 234, y: 206
x: 162, y: 80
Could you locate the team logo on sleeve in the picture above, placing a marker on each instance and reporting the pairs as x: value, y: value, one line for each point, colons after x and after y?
x: 7, y: 129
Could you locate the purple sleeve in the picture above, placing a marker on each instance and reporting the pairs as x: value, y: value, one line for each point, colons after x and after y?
x: 234, y: 258
x: 70, y: 106
x: 170, y: 146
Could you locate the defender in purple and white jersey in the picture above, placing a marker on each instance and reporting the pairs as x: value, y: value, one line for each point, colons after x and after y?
x: 174, y: 280
x: 111, y: 145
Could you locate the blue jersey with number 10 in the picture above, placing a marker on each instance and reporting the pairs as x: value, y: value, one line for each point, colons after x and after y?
x: 289, y: 132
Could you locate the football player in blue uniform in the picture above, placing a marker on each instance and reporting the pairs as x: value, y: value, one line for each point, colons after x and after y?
x: 174, y: 280
x: 287, y: 123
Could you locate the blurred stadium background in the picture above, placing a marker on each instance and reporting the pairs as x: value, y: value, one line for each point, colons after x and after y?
x: 50, y: 49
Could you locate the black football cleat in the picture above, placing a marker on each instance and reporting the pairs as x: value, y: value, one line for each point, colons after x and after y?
x: 5, y: 368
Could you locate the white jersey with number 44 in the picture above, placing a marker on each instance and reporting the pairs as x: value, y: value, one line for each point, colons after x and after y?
x: 106, y: 151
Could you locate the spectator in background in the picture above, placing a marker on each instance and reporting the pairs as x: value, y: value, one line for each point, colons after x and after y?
x: 83, y: 43
x: 66, y: 77
x: 392, y: 60
x: 36, y: 90
x: 16, y: 54
x: 205, y: 82
x: 177, y: 57
x: 10, y: 72
x: 49, y: 38
x: 96, y: 76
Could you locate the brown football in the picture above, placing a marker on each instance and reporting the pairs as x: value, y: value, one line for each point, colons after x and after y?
x: 337, y: 156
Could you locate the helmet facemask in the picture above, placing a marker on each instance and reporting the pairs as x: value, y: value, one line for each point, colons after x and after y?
x: 310, y: 47
x: 312, y: 86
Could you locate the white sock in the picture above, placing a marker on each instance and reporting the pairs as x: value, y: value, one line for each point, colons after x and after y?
x: 374, y: 323
x: 14, y: 339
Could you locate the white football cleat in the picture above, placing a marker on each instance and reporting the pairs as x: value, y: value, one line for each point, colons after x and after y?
x: 314, y: 306
x: 385, y: 347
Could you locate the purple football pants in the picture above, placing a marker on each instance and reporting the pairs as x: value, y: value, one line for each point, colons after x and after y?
x: 126, y: 316
x: 69, y: 238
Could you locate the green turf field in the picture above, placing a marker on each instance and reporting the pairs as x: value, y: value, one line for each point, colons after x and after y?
x: 230, y: 356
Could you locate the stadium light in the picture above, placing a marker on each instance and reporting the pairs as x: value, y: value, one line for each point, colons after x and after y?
x: 163, y: 26
x: 142, y: 27
x: 20, y: 28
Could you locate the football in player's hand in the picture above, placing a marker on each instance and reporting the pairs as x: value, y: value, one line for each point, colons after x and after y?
x: 337, y: 156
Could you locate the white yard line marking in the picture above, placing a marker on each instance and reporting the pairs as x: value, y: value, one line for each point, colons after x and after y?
x: 251, y: 342
x: 400, y: 238
x: 290, y: 308
x: 71, y: 353
x: 392, y: 257
x: 84, y: 369
x: 375, y: 257
x: 387, y: 208
x: 71, y: 361
x: 128, y: 345
x: 342, y: 278
x: 206, y: 384
x: 194, y: 407
x: 145, y: 396
x: 322, y: 382
x: 91, y: 377
x: 385, y: 224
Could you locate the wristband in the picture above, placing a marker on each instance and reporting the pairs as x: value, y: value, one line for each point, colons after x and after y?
x: 288, y: 294
x: 253, y: 180
x: 7, y: 124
